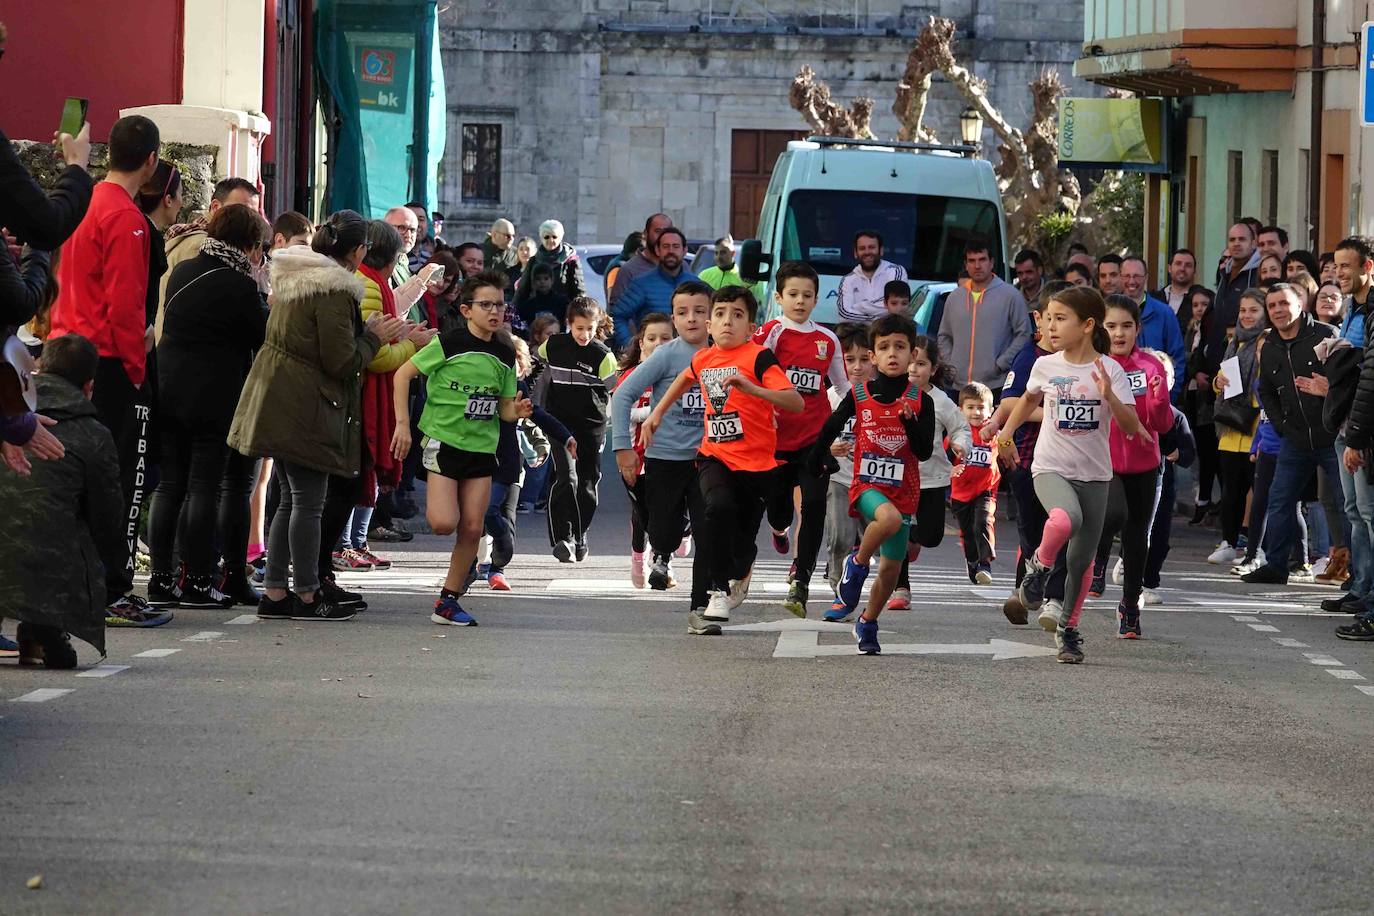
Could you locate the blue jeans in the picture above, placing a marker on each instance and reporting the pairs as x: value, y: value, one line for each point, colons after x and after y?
x: 1292, y: 474
x: 1359, y: 509
x: 499, y: 523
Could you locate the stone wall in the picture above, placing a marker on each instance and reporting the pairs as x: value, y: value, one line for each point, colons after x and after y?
x: 612, y: 109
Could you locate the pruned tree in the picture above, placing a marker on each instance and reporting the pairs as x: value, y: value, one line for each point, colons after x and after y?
x: 812, y: 98
x: 914, y: 88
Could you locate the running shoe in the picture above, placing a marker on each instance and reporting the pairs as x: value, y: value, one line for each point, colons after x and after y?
x: 1151, y: 597
x: 791, y: 570
x: 1098, y: 585
x: 1119, y: 572
x: 1249, y: 566
x: 837, y: 613
x: 8, y: 647
x: 1127, y: 622
x: 699, y: 625
x: 237, y: 587
x: 371, y: 558
x: 1031, y: 591
x: 866, y: 635
x: 851, y: 585
x: 321, y: 609
x: 448, y: 612
x: 1301, y: 573
x: 200, y: 592
x: 739, y: 589
x: 1361, y: 629
x: 982, y: 574
x: 350, y: 560
x: 390, y: 534
x: 497, y: 582
x: 660, y: 575
x: 797, y: 594
x: 1319, y: 568
x: 1014, y: 610
x: 259, y: 577
x: 563, y: 551
x: 1225, y: 553
x: 162, y: 590
x: 717, y: 606
x: 1200, y: 513
x: 268, y: 609
x: 1051, y: 613
x: 133, y: 611
x: 782, y: 542
x: 684, y: 547
x: 1266, y: 575
x: 1343, y: 604
x: 580, y: 549
x: 1070, y: 645
x: 637, y: 568
x: 341, y: 596
x: 46, y: 645
x: 900, y: 600
x: 971, y: 569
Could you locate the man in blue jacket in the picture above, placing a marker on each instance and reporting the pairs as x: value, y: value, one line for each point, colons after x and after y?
x: 653, y: 291
x: 1158, y: 324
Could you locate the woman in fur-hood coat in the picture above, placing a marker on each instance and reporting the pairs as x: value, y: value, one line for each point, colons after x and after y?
x: 301, y: 402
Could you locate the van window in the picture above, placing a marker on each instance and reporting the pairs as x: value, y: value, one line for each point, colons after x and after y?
x: 924, y: 233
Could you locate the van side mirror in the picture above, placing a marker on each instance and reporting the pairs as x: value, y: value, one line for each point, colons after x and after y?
x: 754, y: 265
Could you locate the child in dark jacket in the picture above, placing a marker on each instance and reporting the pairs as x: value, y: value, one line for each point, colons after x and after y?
x: 66, y: 517
x: 543, y: 298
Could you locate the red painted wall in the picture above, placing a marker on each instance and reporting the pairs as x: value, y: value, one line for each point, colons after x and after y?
x: 94, y: 49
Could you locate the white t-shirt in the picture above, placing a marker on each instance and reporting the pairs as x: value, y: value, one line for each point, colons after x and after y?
x: 1074, y: 434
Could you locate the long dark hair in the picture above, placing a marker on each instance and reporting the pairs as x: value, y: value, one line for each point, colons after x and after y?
x: 631, y: 357
x: 940, y: 371
x: 166, y: 182
x: 343, y: 232
x: 1087, y: 303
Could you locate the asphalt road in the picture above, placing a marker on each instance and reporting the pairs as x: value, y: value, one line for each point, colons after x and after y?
x: 578, y: 752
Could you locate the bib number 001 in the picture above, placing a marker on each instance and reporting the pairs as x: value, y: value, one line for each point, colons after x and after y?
x: 806, y: 381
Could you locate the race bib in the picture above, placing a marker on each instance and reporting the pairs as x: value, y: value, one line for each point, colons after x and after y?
x: 1263, y: 417
x: 692, y: 403
x: 1138, y: 382
x: 847, y: 435
x: 724, y: 427
x: 980, y: 456
x: 1077, y: 414
x: 806, y: 381
x: 1011, y: 377
x: 883, y: 470
x: 480, y: 407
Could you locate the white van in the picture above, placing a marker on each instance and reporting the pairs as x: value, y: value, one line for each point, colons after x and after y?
x: 925, y: 201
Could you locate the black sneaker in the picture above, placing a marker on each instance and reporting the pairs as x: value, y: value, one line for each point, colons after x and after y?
x: 275, y: 610
x: 563, y: 551
x: 1343, y: 604
x: 1266, y: 575
x: 1361, y: 629
x: 1031, y: 591
x: 1070, y: 645
x: 332, y: 591
x: 239, y: 589
x: 162, y: 590
x: 660, y: 575
x: 1098, y: 586
x: 319, y: 609
x: 200, y: 591
x: 580, y: 550
x: 49, y: 644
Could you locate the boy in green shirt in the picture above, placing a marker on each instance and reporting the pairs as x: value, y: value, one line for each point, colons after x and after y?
x: 470, y: 384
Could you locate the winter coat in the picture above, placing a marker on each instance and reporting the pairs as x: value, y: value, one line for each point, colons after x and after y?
x: 182, y: 243
x: 302, y: 400
x: 567, y: 273
x: 42, y: 220
x: 1296, y: 416
x: 64, y: 523
x: 1359, y: 423
x: 213, y: 322
x: 507, y: 262
x: 1226, y: 308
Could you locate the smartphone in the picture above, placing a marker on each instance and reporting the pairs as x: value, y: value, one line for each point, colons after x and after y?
x: 73, y: 115
x: 438, y: 274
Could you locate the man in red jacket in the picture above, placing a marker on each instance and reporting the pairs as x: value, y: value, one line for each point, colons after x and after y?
x: 103, y: 283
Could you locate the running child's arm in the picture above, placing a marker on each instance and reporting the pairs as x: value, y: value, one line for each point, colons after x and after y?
x: 646, y: 375
x: 1025, y: 405
x: 400, y: 399
x: 1125, y: 415
x: 514, y: 408
x: 920, y: 429
x: 684, y: 380
x: 821, y: 459
x: 776, y: 389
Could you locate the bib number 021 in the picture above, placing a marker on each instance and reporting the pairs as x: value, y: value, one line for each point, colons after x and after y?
x: 1077, y: 414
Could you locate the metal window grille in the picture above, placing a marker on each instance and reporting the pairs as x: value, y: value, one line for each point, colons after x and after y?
x: 482, y: 162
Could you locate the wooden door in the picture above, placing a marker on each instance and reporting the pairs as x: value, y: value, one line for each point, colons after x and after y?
x: 1333, y: 216
x: 752, y: 155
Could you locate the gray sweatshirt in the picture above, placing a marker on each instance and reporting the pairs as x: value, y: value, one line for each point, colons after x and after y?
x: 981, y: 341
x: 678, y: 438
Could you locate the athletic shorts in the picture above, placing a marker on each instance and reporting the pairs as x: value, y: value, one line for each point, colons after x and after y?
x: 894, y: 548
x: 455, y: 463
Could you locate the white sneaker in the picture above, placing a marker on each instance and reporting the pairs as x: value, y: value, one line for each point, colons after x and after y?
x: 1319, y: 567
x: 1241, y: 569
x: 1119, y: 572
x: 1149, y: 596
x: 1224, y: 553
x: 739, y: 590
x: 1302, y: 574
x: 717, y: 606
x: 637, y: 568
x: 1050, y: 612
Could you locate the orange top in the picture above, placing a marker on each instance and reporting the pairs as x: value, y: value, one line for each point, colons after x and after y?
x: 741, y: 430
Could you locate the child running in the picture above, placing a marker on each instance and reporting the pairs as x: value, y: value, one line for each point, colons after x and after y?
x: 654, y: 328
x: 810, y: 355
x: 893, y: 434
x: 930, y: 374
x: 1072, y: 470
x: 742, y: 384
x: 669, y: 477
x: 470, y: 385
x: 973, y: 487
x: 842, y: 531
x: 1136, y: 464
x: 574, y: 389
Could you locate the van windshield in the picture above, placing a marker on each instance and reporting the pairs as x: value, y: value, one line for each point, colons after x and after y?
x: 924, y: 233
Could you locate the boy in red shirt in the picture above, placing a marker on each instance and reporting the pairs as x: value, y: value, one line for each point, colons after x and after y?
x: 973, y: 487
x: 741, y: 385
x: 810, y: 356
x: 893, y: 433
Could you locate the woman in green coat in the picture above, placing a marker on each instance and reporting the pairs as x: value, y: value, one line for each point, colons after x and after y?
x: 301, y: 403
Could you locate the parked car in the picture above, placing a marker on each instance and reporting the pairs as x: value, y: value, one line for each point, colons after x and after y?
x: 595, y: 259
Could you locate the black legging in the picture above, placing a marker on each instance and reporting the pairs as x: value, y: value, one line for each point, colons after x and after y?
x: 1030, y: 516
x: 927, y: 528
x: 193, y: 461
x: 235, y: 508
x: 792, y: 473
x: 339, y: 501
x: 1131, y: 503
x: 1237, y: 476
x: 639, y: 515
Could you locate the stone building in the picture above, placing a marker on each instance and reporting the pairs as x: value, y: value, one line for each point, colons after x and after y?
x: 599, y: 112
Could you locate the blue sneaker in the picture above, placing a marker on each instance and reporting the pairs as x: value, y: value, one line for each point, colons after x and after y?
x: 449, y: 612
x: 851, y: 585
x: 8, y: 648
x: 866, y: 635
x: 838, y: 613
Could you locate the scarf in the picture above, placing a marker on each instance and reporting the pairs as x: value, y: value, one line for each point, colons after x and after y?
x: 1246, y: 354
x: 380, y: 469
x: 231, y: 256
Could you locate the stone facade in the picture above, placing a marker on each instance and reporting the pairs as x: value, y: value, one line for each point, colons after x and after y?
x: 613, y: 109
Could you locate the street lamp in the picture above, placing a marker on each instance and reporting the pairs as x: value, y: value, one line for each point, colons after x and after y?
x: 971, y: 126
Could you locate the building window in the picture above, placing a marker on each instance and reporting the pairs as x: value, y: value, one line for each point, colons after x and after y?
x: 482, y: 163
x: 1235, y: 171
x: 1269, y: 187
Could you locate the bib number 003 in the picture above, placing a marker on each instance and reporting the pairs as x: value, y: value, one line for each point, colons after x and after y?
x: 724, y: 427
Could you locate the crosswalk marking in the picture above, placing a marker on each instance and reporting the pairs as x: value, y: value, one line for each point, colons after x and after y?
x: 42, y: 695
x: 103, y: 671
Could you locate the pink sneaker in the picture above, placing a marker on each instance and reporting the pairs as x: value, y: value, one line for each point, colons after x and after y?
x: 497, y: 582
x: 637, y: 568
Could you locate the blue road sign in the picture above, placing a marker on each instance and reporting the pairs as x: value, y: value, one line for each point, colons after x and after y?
x: 1367, y: 74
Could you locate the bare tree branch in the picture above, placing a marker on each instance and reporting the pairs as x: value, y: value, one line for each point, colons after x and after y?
x: 812, y: 98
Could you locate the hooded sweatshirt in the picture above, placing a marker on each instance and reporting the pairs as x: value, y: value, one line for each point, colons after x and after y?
x: 982, y: 333
x: 1139, y: 453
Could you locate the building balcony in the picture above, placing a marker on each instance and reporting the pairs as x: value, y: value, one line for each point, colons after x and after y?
x: 1190, y: 47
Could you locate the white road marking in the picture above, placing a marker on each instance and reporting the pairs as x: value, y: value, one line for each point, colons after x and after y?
x: 1319, y: 658
x: 1245, y: 619
x: 42, y: 695
x: 156, y: 653
x: 1345, y: 674
x: 103, y: 671
x: 1367, y: 691
x: 1289, y: 642
x: 243, y: 618
x: 1262, y: 628
x: 203, y: 636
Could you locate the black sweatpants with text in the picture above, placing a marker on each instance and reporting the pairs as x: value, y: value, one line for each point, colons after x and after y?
x: 124, y: 411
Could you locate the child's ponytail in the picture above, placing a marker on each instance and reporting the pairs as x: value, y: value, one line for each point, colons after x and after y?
x: 1101, y: 342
